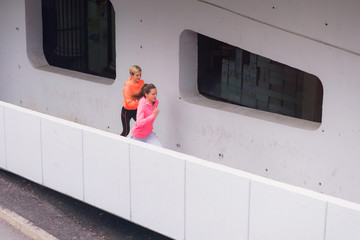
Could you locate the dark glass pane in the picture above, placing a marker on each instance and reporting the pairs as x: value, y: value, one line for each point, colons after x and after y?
x: 80, y: 35
x: 234, y: 75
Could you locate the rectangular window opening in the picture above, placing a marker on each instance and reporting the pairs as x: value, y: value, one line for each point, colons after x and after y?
x: 231, y: 74
x: 79, y: 35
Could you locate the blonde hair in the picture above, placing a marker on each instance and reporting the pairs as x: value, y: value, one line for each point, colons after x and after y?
x: 134, y: 69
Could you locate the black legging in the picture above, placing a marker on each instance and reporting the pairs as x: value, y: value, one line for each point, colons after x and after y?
x: 126, y: 116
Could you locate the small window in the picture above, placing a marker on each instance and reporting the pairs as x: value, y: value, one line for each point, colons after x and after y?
x: 230, y: 74
x: 80, y: 35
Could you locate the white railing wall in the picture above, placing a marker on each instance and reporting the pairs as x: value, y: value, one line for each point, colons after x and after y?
x: 175, y: 194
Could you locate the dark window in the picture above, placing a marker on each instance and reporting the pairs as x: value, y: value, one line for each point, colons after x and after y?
x: 230, y: 74
x: 80, y: 35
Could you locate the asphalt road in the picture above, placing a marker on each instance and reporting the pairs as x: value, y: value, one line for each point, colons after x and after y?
x: 64, y: 217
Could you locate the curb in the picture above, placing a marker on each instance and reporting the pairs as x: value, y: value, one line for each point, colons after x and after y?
x: 23, y: 225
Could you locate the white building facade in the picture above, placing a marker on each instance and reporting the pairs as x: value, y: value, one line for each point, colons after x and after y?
x: 318, y: 37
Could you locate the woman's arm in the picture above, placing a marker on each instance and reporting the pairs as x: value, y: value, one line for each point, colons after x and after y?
x: 143, y: 120
x: 130, y: 102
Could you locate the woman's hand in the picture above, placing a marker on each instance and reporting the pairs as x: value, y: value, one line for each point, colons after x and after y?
x: 156, y: 112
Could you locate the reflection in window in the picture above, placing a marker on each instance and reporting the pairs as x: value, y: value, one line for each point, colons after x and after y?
x: 80, y: 35
x: 233, y: 75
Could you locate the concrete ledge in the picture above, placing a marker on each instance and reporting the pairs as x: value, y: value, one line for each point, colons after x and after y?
x: 24, y: 225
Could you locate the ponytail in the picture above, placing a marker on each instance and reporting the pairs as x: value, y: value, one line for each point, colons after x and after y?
x: 146, y: 88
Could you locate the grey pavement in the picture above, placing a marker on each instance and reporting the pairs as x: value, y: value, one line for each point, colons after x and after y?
x: 64, y: 217
x: 9, y: 232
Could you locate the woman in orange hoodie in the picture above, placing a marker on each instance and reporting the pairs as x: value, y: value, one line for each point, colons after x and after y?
x: 131, y: 86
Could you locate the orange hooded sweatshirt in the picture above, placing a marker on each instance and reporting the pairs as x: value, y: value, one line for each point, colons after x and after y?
x: 131, y: 88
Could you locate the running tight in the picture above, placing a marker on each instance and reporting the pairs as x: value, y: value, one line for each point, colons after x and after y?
x: 151, y: 138
x: 126, y: 116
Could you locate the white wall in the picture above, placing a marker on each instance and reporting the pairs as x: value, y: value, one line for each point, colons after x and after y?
x: 2, y: 139
x: 322, y: 158
x: 178, y: 195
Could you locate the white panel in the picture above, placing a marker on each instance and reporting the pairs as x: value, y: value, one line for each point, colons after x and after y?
x: 106, y: 173
x: 277, y: 214
x: 23, y: 144
x: 342, y: 223
x: 2, y: 139
x: 62, y: 158
x: 157, y: 191
x: 217, y: 204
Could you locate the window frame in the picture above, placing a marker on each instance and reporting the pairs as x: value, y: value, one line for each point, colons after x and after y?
x: 34, y: 46
x: 188, y: 86
x: 70, y: 46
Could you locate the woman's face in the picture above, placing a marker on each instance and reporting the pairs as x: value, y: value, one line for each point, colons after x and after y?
x: 151, y: 96
x: 136, y: 77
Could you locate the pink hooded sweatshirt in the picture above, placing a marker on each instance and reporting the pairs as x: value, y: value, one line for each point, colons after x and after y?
x: 144, y: 119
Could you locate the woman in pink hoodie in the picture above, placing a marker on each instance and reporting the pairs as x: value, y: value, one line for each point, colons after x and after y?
x: 147, y: 111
